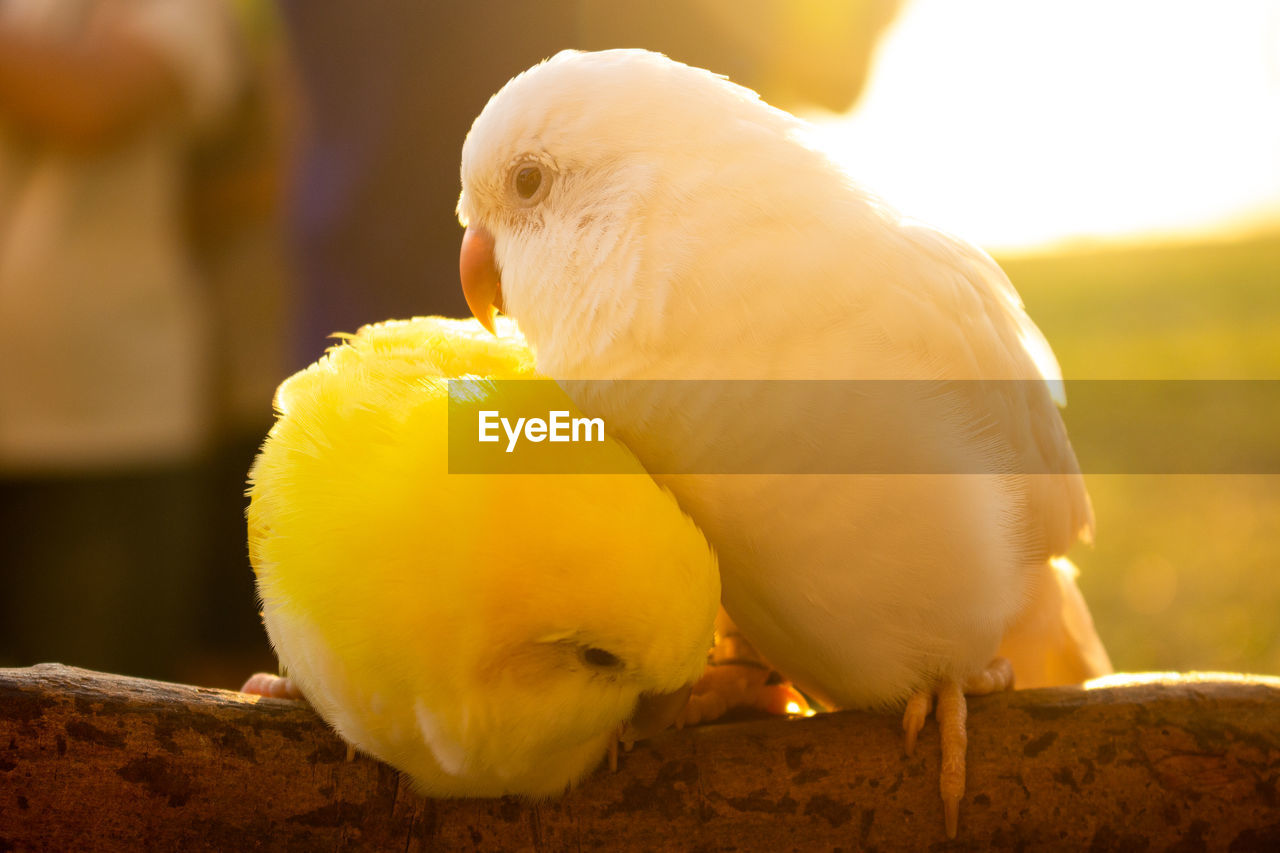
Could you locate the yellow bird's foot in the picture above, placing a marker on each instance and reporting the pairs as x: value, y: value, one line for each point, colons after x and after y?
x: 614, y: 743
x: 951, y: 712
x: 272, y: 686
x: 279, y: 687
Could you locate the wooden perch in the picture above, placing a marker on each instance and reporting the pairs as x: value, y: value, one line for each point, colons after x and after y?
x: 90, y: 761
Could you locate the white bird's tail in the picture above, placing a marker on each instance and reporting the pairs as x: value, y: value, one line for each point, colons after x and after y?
x: 1053, y: 641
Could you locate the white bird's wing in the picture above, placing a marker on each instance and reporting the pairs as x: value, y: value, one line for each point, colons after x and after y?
x: 1053, y: 640
x: 980, y: 330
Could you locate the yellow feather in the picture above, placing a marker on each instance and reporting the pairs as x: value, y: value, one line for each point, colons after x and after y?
x: 439, y: 621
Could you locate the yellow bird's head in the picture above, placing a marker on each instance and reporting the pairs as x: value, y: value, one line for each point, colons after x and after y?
x: 486, y: 634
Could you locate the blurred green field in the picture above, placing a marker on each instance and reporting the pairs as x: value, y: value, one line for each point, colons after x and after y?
x: 1185, y: 570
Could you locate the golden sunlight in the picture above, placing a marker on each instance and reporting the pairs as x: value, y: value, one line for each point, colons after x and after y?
x: 1132, y: 679
x: 1020, y: 124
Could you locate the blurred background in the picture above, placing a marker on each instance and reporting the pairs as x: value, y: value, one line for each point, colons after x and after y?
x: 192, y: 201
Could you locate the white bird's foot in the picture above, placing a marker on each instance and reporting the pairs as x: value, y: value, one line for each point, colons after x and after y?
x: 272, y: 686
x: 951, y: 712
x: 728, y: 686
x: 737, y: 677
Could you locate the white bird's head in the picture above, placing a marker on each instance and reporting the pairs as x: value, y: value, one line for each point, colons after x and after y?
x: 583, y: 185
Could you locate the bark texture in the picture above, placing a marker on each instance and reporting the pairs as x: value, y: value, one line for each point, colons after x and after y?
x: 1158, y: 762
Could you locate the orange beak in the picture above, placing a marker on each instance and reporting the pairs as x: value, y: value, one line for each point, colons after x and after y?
x: 481, y: 284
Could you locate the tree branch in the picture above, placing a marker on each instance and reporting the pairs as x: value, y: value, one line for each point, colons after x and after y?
x: 92, y: 761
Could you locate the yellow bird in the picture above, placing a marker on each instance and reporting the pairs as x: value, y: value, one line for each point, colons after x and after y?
x: 485, y: 634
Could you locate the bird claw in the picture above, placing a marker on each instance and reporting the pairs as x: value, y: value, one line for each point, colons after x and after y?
x: 619, y: 737
x: 737, y: 677
x: 952, y: 712
x: 918, y: 708
x: 951, y: 813
x: 997, y: 677
x: 272, y: 686
x: 727, y: 686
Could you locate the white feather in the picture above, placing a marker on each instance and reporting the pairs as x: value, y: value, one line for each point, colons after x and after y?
x: 690, y: 233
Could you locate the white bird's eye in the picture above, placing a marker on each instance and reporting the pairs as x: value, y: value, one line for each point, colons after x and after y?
x: 600, y: 659
x: 530, y: 182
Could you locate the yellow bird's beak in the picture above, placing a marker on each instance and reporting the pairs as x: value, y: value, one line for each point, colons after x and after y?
x: 654, y: 712
x: 481, y: 284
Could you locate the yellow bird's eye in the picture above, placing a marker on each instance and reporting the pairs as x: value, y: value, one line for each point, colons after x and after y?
x: 600, y: 659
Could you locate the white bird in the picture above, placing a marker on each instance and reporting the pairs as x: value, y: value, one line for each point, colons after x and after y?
x: 643, y: 219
